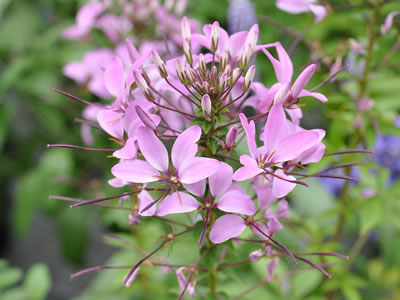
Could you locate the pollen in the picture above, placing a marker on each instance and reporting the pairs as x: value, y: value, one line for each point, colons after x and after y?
x: 174, y: 179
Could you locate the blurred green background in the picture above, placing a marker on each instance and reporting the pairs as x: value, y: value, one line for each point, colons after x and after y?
x: 44, y: 241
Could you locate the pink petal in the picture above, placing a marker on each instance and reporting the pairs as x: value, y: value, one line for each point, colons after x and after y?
x: 312, y: 155
x: 283, y: 209
x: 236, y: 43
x: 319, y: 11
x: 185, y: 146
x: 389, y: 21
x: 318, y: 96
x: 196, y: 169
x: 226, y: 227
x: 302, y: 80
x: 135, y: 170
x: 268, y: 98
x: 153, y: 149
x: 250, y: 130
x: 271, y: 268
x: 249, y: 170
x: 280, y: 188
x: 295, y: 115
x: 256, y: 255
x: 276, y: 128
x: 283, y: 67
x: 117, y: 183
x: 144, y: 200
x: 294, y: 145
x: 197, y: 188
x: 236, y: 202
x: 128, y: 151
x: 111, y: 122
x: 128, y: 280
x: 293, y: 6
x: 176, y: 204
x: 221, y: 180
x: 264, y: 196
x: 182, y: 281
x: 114, y: 78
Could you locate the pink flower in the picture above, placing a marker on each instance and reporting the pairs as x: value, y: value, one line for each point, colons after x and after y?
x: 300, y: 6
x: 389, y: 21
x: 85, y: 19
x: 280, y: 145
x: 185, y: 168
x: 284, y: 72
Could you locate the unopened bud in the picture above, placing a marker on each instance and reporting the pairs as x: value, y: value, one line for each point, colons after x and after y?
x: 189, y: 76
x: 223, y: 60
x: 248, y: 79
x: 247, y: 52
x: 252, y: 36
x: 206, y: 87
x: 180, y: 71
x: 302, y: 80
x: 235, y: 76
x: 228, y: 69
x: 185, y: 29
x: 214, y: 36
x: 282, y: 93
x: 206, y: 105
x: 231, y: 137
x: 145, y: 118
x: 202, y: 64
x: 143, y: 86
x: 159, y: 64
x: 188, y: 52
x: 223, y: 82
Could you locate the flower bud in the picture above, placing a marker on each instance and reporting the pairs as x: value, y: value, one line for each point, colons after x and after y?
x: 282, y: 93
x: 185, y: 29
x: 206, y: 105
x: 189, y: 76
x: 252, y: 37
x: 145, y: 118
x: 202, y: 64
x: 235, y: 76
x: 223, y: 82
x: 214, y: 36
x: 143, y: 86
x: 248, y: 79
x: 188, y: 52
x: 223, y: 60
x: 180, y: 71
x: 231, y: 137
x: 180, y: 7
x: 247, y: 52
x: 302, y: 80
x: 365, y: 104
x: 159, y: 64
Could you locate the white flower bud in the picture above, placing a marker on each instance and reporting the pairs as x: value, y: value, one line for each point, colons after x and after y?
x: 188, y: 52
x: 180, y: 71
x: 159, y: 64
x: 247, y: 52
x: 252, y: 37
x: 235, y: 76
x: 223, y: 60
x: 248, y: 79
x: 223, y: 82
x: 214, y: 36
x: 202, y: 64
x: 143, y: 86
x: 206, y: 105
x: 185, y: 29
x: 231, y: 137
x: 282, y: 93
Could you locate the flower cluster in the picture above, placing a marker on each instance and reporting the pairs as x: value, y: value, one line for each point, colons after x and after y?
x: 179, y: 119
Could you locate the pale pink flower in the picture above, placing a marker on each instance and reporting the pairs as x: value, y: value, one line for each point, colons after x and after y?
x: 300, y: 6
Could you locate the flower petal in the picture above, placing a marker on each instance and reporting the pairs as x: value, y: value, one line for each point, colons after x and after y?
x: 111, y: 122
x: 276, y: 128
x: 250, y: 130
x: 135, y: 170
x: 176, y: 203
x: 153, y: 149
x: 264, y: 196
x: 249, y: 170
x: 283, y: 67
x: 280, y: 188
x: 145, y: 199
x: 128, y: 151
x: 226, y: 227
x: 114, y: 77
x: 221, y: 180
x: 318, y: 96
x: 185, y: 146
x: 236, y: 202
x: 196, y: 188
x: 197, y: 169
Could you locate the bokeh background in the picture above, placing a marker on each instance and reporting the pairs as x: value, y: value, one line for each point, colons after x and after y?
x: 42, y: 241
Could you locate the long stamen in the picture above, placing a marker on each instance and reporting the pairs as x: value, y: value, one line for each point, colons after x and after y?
x: 329, y: 78
x: 282, y: 247
x: 81, y: 202
x: 75, y: 98
x: 79, y: 147
x: 288, y: 180
x: 154, y: 202
x: 314, y: 265
x: 95, y: 269
x: 350, y: 151
x: 203, y: 234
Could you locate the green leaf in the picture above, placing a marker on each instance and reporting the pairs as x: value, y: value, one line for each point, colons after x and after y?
x: 371, y: 214
x: 207, y: 126
x: 305, y: 282
x: 9, y: 276
x: 37, y: 282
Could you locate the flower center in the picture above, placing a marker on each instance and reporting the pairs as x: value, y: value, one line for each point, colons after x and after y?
x: 174, y: 179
